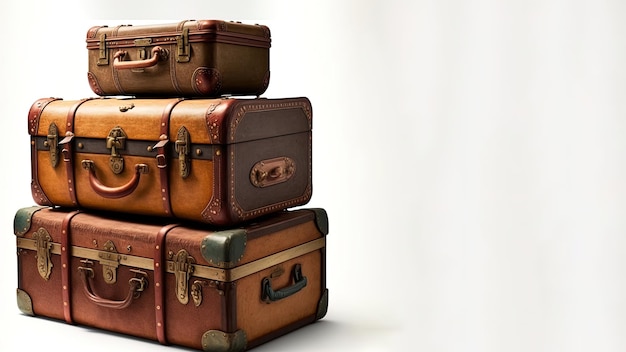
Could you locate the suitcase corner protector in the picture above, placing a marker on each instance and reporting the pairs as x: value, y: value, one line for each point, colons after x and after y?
x: 23, y: 219
x: 216, y: 340
x: 24, y: 302
x: 224, y: 248
x: 322, y: 306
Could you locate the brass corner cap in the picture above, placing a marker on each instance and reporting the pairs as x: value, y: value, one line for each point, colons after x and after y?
x: 219, y: 341
x: 22, y: 220
x: 224, y: 249
x: 24, y: 302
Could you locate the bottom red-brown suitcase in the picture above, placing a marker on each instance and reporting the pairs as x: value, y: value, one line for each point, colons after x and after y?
x: 212, y: 290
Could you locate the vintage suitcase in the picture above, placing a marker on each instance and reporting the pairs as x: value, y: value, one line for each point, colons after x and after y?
x: 205, y: 58
x: 218, y: 161
x: 226, y: 290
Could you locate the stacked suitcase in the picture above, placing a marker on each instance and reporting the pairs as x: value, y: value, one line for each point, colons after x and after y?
x: 164, y: 205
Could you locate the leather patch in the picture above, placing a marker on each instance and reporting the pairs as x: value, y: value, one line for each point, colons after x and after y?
x: 206, y: 81
x: 93, y: 83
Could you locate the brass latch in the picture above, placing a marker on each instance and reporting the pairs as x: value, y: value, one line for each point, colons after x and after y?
x: 109, y: 260
x: 52, y: 143
x: 115, y: 141
x: 103, y: 53
x: 182, y: 266
x: 44, y: 246
x: 183, y: 49
x: 183, y: 146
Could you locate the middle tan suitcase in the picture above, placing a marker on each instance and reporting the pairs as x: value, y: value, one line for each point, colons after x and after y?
x: 215, y: 161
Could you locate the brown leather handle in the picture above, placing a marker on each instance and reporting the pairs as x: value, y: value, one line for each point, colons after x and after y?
x: 158, y: 54
x: 137, y: 285
x: 272, y: 171
x: 113, y: 192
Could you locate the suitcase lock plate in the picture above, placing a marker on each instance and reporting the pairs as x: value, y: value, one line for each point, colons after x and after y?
x: 110, y: 260
x: 44, y: 246
x: 182, y: 266
x: 115, y: 141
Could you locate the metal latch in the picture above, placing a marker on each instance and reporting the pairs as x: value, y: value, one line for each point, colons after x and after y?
x: 44, y: 247
x: 182, y: 266
x: 183, y: 146
x: 52, y: 143
x: 183, y: 50
x: 103, y: 53
x: 116, y: 140
x: 109, y: 260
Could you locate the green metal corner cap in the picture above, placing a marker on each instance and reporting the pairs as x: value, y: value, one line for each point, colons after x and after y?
x: 224, y: 249
x: 22, y: 220
x: 321, y: 220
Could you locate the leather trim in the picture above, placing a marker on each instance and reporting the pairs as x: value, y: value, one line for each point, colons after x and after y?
x: 161, y: 157
x: 66, y: 256
x: 206, y: 81
x: 159, y: 282
x: 67, y: 152
x: 93, y: 83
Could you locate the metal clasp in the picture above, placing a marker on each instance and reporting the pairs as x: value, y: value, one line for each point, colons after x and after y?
x: 116, y: 140
x: 183, y: 53
x: 52, y: 143
x: 109, y: 260
x: 44, y: 247
x: 182, y: 266
x: 103, y: 53
x: 183, y: 145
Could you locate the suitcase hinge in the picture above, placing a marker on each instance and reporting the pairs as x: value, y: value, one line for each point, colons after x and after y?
x: 103, y: 53
x: 182, y: 266
x: 52, y: 143
x: 44, y: 246
x: 116, y: 140
x: 110, y: 260
x: 182, y: 148
x: 182, y: 45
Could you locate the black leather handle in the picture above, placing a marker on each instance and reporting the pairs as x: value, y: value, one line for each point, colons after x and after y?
x: 299, y: 282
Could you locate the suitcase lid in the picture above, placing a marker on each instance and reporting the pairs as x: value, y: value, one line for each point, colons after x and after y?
x: 213, y: 253
x: 179, y: 34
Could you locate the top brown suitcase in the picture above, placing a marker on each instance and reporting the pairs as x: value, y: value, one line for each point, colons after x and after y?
x: 205, y: 58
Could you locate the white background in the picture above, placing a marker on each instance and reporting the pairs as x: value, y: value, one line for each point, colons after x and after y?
x: 470, y: 154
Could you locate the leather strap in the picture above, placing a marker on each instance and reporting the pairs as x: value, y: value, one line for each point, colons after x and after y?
x: 67, y: 150
x: 161, y: 157
x: 159, y: 282
x: 116, y: 79
x: 66, y: 256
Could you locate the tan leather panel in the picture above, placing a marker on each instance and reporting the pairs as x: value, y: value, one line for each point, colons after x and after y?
x: 258, y: 318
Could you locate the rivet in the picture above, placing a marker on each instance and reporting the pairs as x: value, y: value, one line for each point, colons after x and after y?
x: 217, y: 152
x: 157, y: 246
x: 128, y: 248
x: 158, y: 307
x: 149, y: 148
x: 198, y: 152
x: 81, y: 146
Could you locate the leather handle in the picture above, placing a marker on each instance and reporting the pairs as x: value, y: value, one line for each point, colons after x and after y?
x: 136, y: 286
x: 113, y: 192
x: 158, y: 54
x: 269, y: 294
x: 272, y: 171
